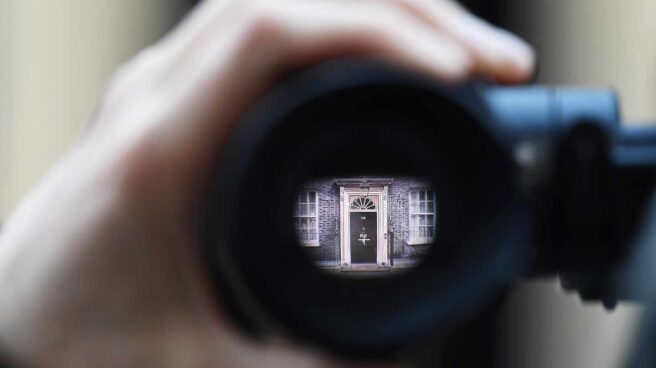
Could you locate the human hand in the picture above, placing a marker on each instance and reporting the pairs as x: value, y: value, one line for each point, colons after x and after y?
x: 101, y: 264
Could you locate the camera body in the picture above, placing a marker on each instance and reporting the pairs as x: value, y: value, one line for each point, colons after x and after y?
x: 530, y: 180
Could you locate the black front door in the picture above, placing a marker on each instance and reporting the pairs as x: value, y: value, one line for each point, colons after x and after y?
x: 363, y: 237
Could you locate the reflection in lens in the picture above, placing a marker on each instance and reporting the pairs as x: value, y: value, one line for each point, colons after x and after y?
x: 366, y: 226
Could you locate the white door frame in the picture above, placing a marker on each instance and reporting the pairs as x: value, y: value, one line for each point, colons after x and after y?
x: 346, y: 196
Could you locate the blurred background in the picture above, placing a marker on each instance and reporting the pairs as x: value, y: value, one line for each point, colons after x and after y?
x: 55, y: 57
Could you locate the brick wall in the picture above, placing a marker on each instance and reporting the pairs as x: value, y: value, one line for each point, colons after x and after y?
x: 398, y: 220
x: 328, y: 196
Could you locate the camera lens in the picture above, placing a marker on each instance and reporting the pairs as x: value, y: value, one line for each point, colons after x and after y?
x: 366, y: 226
x: 362, y: 207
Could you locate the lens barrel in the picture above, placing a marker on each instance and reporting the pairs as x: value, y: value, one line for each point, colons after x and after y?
x: 492, y: 155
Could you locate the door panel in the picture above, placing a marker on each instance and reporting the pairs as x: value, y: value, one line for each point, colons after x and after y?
x: 363, y: 237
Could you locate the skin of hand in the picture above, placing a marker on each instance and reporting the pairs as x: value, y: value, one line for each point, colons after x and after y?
x: 101, y: 264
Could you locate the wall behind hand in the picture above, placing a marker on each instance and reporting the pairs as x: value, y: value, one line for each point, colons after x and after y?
x: 595, y: 43
x: 56, y: 56
x: 6, y: 24
x: 592, y: 43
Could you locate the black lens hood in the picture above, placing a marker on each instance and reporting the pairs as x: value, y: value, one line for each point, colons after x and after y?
x: 363, y: 117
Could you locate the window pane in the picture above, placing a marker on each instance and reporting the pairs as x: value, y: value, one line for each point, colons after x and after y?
x: 305, y: 212
x: 422, y: 209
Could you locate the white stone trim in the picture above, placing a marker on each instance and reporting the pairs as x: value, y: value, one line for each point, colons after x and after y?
x: 346, y: 194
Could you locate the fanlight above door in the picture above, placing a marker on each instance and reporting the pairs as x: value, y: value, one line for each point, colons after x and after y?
x: 363, y: 203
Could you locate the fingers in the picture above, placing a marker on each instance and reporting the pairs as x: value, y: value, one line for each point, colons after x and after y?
x: 496, y: 53
x: 298, y: 33
x: 313, y: 32
x: 229, y: 58
x: 492, y: 52
x: 208, y: 71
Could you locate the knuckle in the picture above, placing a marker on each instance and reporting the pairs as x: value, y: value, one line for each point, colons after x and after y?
x: 114, y: 89
x: 412, y: 5
x: 377, y: 37
x: 126, y: 71
x: 134, y: 75
x: 436, y: 10
x: 378, y: 31
x: 466, y: 64
x: 119, y: 77
x: 422, y: 8
x: 262, y: 18
x: 146, y: 60
x: 262, y: 26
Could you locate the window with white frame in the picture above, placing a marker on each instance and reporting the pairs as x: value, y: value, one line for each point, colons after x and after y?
x: 422, y: 216
x: 306, y: 211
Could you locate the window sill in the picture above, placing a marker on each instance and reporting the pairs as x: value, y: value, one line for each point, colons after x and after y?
x: 420, y: 241
x: 313, y: 243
